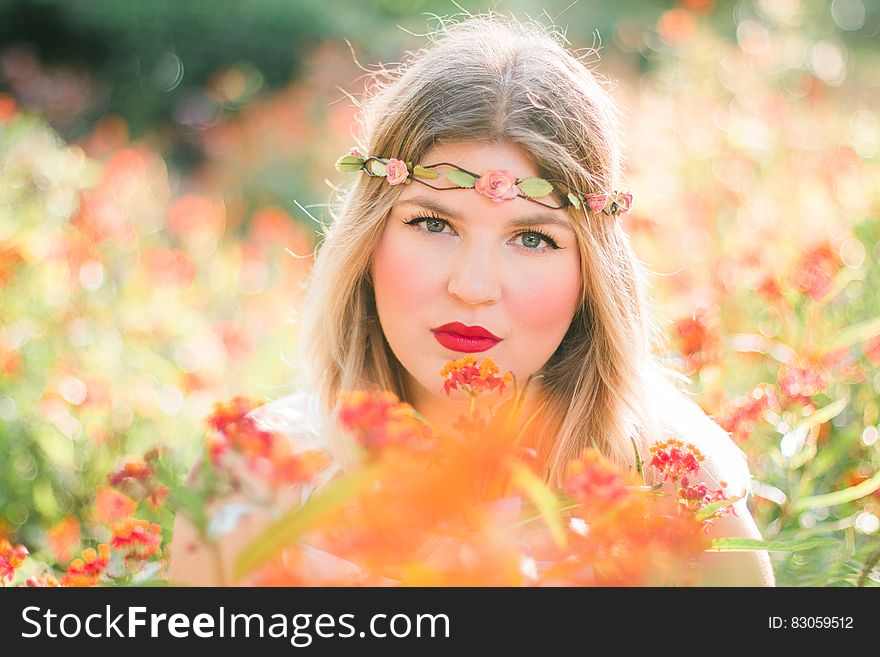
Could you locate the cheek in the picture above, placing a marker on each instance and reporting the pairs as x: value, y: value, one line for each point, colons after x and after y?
x: 546, y: 301
x: 402, y: 277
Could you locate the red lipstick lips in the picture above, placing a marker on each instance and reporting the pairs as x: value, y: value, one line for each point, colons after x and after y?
x: 467, y: 339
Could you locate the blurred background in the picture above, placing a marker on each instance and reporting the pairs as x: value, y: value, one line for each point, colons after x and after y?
x: 154, y: 154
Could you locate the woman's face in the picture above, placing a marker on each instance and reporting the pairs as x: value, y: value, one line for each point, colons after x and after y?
x: 466, y: 258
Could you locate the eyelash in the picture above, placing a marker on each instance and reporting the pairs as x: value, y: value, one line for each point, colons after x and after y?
x: 418, y: 219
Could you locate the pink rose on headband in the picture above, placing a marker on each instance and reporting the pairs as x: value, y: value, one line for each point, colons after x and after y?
x: 498, y: 185
x: 597, y: 202
x: 395, y: 171
x: 624, y: 201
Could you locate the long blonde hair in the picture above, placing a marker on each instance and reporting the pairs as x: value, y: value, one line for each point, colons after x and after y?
x: 492, y: 78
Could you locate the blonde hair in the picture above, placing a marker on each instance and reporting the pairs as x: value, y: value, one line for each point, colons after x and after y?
x: 492, y: 78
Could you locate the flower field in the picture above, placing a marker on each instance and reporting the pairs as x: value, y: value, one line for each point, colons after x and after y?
x: 146, y: 308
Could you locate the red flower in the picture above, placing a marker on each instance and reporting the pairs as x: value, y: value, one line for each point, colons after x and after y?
x: 696, y: 496
x: 11, y: 559
x: 378, y: 419
x: 814, y: 274
x: 112, y: 505
x: 748, y: 410
x: 464, y: 374
x: 87, y: 570
x: 675, y: 459
x: 139, y: 538
x: 591, y: 478
x: 696, y: 338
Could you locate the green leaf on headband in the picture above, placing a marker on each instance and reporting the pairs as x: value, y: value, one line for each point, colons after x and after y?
x: 349, y: 163
x: 535, y: 187
x: 378, y: 168
x: 421, y: 172
x: 460, y: 178
x: 575, y: 201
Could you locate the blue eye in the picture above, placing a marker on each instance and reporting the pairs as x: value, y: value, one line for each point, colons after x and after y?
x: 436, y: 225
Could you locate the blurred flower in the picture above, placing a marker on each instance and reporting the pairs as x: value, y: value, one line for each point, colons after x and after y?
x: 11, y: 261
x: 379, y: 420
x: 136, y: 477
x: 696, y: 338
x: 8, y: 108
x: 801, y: 382
x: 11, y: 559
x: 815, y: 272
x: 42, y: 580
x: 137, y: 538
x: 872, y: 350
x: 267, y: 454
x: 112, y: 505
x: 592, y: 479
x: 748, y: 410
x: 168, y: 266
x: 63, y: 539
x: 87, y: 571
x: 675, y: 459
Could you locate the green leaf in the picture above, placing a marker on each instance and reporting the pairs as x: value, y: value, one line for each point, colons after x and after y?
x: 709, y: 510
x: 378, y: 168
x: 784, y: 545
x: 282, y: 533
x: 348, y: 163
x: 543, y: 498
x: 852, y: 335
x: 574, y: 200
x: 534, y: 187
x: 421, y: 172
x: 837, y: 497
x: 460, y: 178
x: 638, y: 460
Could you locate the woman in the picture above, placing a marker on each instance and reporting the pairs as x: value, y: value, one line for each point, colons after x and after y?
x: 425, y: 263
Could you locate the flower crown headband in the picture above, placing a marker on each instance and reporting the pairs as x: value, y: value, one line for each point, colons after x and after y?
x: 496, y: 184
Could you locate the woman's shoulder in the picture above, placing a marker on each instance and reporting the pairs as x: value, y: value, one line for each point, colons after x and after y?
x: 681, y: 417
x: 296, y: 415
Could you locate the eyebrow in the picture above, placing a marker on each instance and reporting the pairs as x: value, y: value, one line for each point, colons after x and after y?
x: 542, y: 218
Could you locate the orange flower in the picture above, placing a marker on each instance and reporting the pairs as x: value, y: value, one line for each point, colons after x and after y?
x: 11, y: 558
x: 594, y: 480
x: 465, y: 375
x: 63, y: 539
x: 379, y: 420
x: 112, y: 505
x: 136, y: 478
x: 696, y: 339
x: 87, y: 570
x: 675, y: 459
x: 139, y: 538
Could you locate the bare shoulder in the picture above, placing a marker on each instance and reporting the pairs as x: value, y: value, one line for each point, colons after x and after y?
x: 724, y: 462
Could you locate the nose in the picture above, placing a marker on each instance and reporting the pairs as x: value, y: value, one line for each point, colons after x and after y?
x: 475, y: 275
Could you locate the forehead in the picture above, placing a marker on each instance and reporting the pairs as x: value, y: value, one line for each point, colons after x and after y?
x: 478, y: 157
